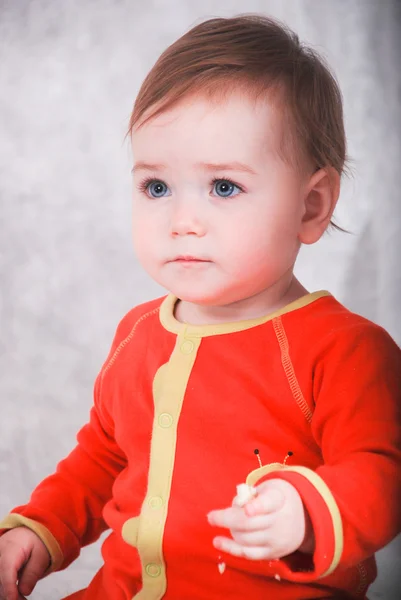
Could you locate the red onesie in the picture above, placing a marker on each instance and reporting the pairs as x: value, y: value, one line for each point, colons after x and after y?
x: 178, y: 411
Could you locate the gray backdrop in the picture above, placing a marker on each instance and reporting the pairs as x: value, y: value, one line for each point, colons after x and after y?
x: 69, y: 71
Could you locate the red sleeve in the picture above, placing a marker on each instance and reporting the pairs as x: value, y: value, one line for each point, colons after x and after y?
x: 353, y: 499
x: 65, y: 509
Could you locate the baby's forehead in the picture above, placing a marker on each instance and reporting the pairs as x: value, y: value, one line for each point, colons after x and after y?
x: 242, y: 104
x: 235, y: 121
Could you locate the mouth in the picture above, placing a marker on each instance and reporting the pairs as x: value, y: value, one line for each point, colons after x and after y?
x: 187, y: 259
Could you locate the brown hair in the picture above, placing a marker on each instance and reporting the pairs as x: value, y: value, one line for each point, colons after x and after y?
x: 257, y: 55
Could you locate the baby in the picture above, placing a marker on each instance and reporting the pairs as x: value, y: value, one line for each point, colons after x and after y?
x: 239, y: 375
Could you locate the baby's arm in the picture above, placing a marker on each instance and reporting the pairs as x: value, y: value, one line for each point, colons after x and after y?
x: 65, y: 510
x: 315, y: 522
x: 353, y: 498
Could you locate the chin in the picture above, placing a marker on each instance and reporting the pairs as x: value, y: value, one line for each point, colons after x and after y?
x: 200, y: 297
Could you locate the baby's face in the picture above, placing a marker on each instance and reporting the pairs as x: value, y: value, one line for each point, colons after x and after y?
x: 216, y: 211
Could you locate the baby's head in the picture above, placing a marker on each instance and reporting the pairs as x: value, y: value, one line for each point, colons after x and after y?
x: 239, y: 147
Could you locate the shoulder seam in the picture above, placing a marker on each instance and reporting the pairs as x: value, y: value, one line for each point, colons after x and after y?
x: 289, y: 369
x: 124, y: 343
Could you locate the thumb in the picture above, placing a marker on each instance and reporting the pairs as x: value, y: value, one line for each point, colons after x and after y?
x: 32, y: 572
x: 267, y: 502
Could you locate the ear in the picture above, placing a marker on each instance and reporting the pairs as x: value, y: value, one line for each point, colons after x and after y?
x: 320, y: 200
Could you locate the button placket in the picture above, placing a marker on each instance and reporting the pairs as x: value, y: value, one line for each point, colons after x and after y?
x: 165, y: 420
x: 169, y: 390
x: 155, y: 502
x: 153, y: 570
x: 187, y: 347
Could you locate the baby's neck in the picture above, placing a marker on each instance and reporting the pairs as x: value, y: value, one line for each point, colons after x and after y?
x: 254, y: 307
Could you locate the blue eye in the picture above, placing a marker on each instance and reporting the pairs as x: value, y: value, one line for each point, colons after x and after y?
x: 225, y: 188
x: 156, y: 188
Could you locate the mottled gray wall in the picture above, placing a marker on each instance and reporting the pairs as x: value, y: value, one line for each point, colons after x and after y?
x: 69, y: 71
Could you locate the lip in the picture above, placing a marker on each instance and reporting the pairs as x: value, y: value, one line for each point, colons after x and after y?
x: 189, y: 259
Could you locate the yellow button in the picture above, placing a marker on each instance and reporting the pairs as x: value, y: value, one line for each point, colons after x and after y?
x: 187, y: 347
x: 153, y: 570
x: 155, y: 502
x: 165, y: 420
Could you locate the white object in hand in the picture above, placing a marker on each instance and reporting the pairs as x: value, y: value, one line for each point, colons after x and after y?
x: 245, y: 493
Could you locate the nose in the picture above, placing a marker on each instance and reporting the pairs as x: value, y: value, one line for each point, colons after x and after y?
x: 186, y: 219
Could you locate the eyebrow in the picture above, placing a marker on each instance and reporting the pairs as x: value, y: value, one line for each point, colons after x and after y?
x: 233, y: 166
x: 143, y: 166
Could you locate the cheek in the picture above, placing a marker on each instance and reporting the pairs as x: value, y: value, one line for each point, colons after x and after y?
x: 143, y: 220
x: 148, y: 236
x: 142, y: 236
x: 268, y: 238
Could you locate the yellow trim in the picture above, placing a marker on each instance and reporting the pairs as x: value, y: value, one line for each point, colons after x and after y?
x: 170, y: 323
x: 325, y: 493
x: 146, y: 532
x: 14, y: 520
x: 257, y: 474
x: 289, y: 369
x: 129, y: 531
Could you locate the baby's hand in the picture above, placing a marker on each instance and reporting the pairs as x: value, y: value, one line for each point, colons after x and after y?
x: 23, y: 557
x: 271, y: 525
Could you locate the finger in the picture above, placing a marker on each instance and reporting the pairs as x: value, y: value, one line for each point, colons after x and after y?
x: 3, y: 594
x: 235, y: 549
x: 31, y: 573
x: 4, y: 597
x: 262, y: 537
x: 267, y: 502
x: 9, y: 577
x: 235, y: 519
x: 226, y: 517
